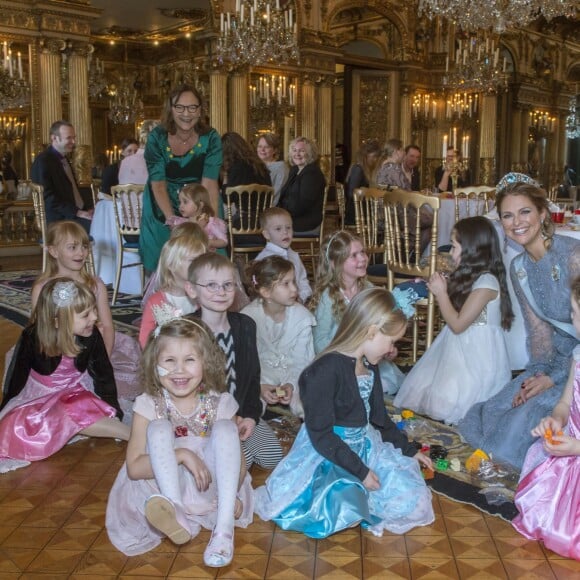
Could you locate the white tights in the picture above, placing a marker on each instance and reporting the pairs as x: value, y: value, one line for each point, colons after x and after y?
x: 223, y: 459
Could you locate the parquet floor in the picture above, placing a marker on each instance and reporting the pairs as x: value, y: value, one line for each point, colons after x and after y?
x: 52, y: 527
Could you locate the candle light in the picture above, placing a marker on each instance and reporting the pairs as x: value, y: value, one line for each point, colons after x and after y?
x: 20, y: 65
x: 504, y: 68
x: 290, y: 17
x: 242, y: 13
x: 454, y: 137
x: 445, y: 145
x: 222, y: 22
x: 447, y: 63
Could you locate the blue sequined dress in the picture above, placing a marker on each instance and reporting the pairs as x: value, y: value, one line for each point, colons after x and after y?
x: 543, y: 291
x: 310, y: 494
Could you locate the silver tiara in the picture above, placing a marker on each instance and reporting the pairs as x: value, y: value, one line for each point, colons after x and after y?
x: 514, y: 177
x: 64, y: 294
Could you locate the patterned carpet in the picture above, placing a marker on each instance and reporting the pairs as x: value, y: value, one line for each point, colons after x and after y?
x: 457, y: 485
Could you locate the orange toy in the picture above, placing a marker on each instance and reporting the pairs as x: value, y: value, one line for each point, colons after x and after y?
x: 548, y: 436
x: 474, y: 460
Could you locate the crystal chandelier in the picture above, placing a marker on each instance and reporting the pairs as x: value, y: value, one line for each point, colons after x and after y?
x: 541, y: 124
x: 258, y: 32
x: 573, y: 119
x: 97, y: 80
x: 126, y: 106
x: 424, y: 111
x: 496, y: 14
x: 476, y: 67
x: 12, y: 129
x: 14, y: 89
x: 271, y: 97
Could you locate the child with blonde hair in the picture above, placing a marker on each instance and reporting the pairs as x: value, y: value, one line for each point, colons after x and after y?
x: 195, y: 206
x: 350, y: 464
x: 277, y: 228
x: 67, y: 245
x: 341, y: 275
x: 183, y: 469
x: 284, y: 330
x: 174, y: 261
x: 60, y: 381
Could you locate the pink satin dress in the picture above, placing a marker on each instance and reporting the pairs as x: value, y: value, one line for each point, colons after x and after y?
x: 50, y: 410
x: 548, y: 495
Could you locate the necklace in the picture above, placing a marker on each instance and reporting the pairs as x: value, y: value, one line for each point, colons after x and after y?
x: 198, y: 422
x: 182, y: 140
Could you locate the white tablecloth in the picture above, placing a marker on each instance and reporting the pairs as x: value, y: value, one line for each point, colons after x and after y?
x: 467, y: 208
x: 106, y: 250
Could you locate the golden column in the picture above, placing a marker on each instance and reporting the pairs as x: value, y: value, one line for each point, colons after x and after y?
x: 50, y: 99
x: 218, y: 90
x: 308, y: 109
x: 79, y: 112
x: 238, y: 104
x: 487, y: 140
x: 524, y: 132
x: 325, y: 125
x: 405, y: 119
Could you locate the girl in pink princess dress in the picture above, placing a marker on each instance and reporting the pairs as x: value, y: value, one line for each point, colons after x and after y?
x: 548, y: 494
x: 195, y: 206
x: 60, y: 381
x: 67, y: 245
x: 184, y: 467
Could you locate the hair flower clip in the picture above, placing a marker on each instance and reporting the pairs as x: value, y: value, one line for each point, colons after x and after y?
x: 64, y: 294
x: 405, y: 300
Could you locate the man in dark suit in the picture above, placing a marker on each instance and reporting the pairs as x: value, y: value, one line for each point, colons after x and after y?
x: 52, y: 170
x: 410, y: 166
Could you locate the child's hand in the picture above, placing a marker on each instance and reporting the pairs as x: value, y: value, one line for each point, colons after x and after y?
x: 562, y: 445
x: 196, y: 466
x: 437, y: 284
x: 287, y: 396
x: 269, y: 393
x: 246, y: 427
x: 371, y: 481
x: 423, y: 460
x: 547, y: 423
x: 202, y: 220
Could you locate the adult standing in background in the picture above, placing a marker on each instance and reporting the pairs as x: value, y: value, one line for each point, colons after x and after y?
x: 52, y: 170
x: 303, y: 192
x: 182, y: 149
x: 269, y: 151
x: 360, y: 175
x: 133, y: 169
x: 410, y: 166
x: 110, y: 176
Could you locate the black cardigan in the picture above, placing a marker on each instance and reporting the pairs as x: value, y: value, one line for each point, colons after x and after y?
x: 247, y: 364
x: 330, y: 396
x: 92, y: 358
x: 303, y: 196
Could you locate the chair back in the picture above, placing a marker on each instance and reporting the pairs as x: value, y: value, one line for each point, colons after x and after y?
x: 37, y: 192
x: 368, y: 208
x: 128, y: 204
x: 95, y: 188
x: 473, y: 201
x: 403, y: 247
x: 341, y: 203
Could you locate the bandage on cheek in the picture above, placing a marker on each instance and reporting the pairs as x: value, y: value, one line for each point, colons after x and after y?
x: 162, y: 372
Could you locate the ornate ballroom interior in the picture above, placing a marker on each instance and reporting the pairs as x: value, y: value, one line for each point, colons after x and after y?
x: 340, y: 72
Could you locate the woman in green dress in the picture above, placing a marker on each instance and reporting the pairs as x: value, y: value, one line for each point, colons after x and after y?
x: 182, y: 149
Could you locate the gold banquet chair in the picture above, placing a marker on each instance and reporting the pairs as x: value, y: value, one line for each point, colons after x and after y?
x: 128, y: 206
x: 475, y: 200
x: 403, y: 251
x: 244, y: 204
x: 37, y: 192
x: 368, y: 209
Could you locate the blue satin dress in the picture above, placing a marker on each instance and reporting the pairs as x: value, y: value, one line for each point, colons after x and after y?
x: 310, y: 494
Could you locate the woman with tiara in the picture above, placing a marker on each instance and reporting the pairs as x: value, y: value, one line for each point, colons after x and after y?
x: 541, y: 276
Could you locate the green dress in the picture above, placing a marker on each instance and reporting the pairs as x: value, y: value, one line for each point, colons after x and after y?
x: 203, y: 160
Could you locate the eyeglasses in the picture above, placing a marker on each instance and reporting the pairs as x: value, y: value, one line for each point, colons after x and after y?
x: 214, y: 287
x: 190, y: 108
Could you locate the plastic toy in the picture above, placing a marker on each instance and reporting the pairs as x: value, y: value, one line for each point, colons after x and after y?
x: 442, y: 464
x: 548, y: 436
x: 406, y: 414
x: 474, y: 460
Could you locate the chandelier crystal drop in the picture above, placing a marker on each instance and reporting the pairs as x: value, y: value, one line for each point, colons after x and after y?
x: 259, y: 32
x: 496, y: 14
x: 126, y: 107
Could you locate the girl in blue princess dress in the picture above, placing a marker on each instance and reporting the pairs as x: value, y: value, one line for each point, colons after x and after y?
x: 349, y: 463
x: 468, y: 362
